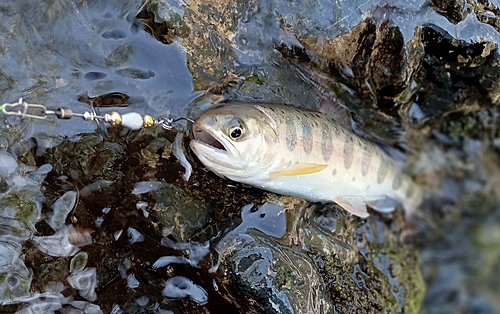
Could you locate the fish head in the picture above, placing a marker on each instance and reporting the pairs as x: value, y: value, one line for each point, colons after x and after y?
x: 235, y: 141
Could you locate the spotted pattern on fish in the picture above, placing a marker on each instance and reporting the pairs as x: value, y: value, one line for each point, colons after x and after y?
x: 326, y: 143
x: 397, y: 181
x: 409, y: 191
x: 366, y: 160
x: 271, y: 113
x: 291, y: 133
x: 307, y: 136
x: 336, y: 130
x: 382, y: 170
x: 348, y: 152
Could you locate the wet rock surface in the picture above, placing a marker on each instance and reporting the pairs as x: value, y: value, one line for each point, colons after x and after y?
x: 99, y: 221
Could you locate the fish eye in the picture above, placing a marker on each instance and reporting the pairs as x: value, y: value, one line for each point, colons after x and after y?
x: 235, y: 132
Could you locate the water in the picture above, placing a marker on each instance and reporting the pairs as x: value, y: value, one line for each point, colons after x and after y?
x: 97, y: 222
x: 56, y: 53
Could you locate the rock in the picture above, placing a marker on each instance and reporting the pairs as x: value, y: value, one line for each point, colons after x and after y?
x: 416, y: 77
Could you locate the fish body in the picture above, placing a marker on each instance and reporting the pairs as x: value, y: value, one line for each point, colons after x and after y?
x: 301, y: 153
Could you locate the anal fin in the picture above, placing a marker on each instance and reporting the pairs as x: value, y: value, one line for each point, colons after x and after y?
x: 384, y: 204
x: 353, y: 204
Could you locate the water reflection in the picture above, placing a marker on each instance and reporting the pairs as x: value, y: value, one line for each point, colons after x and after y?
x: 85, y: 282
x: 134, y: 235
x: 65, y: 242
x: 78, y: 262
x: 87, y: 228
x: 60, y: 210
x: 89, y: 49
x: 195, y: 253
x: 180, y: 287
x: 16, y: 277
x: 20, y: 209
x: 82, y: 49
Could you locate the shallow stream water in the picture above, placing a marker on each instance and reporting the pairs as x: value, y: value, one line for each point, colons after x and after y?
x: 96, y: 219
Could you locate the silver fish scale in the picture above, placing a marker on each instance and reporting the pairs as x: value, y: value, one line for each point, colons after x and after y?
x: 306, y: 154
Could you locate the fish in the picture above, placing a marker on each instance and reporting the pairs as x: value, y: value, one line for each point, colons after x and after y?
x: 289, y: 151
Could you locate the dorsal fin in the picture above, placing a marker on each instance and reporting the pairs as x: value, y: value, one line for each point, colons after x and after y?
x: 335, y: 110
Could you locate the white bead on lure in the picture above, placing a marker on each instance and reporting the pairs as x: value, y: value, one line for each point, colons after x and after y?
x: 306, y: 154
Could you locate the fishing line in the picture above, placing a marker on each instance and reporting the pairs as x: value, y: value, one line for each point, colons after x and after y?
x: 130, y: 120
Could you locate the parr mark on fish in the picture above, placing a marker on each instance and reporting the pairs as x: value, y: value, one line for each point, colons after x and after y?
x: 410, y: 191
x: 291, y: 134
x: 307, y: 137
x: 383, y: 169
x: 326, y: 143
x: 348, y: 151
x: 366, y: 160
x: 398, y: 180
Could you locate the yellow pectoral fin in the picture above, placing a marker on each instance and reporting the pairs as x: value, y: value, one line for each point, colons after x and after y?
x: 298, y: 169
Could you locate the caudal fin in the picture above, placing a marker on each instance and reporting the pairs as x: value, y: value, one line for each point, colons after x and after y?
x: 423, y: 209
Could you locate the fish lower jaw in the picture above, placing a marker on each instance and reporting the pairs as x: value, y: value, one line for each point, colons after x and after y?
x: 217, y: 160
x: 196, y: 143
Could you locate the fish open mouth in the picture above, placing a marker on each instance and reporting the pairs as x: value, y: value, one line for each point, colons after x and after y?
x: 204, y: 136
